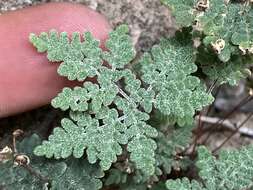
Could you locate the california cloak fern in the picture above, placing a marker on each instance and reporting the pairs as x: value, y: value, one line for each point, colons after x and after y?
x: 134, y: 124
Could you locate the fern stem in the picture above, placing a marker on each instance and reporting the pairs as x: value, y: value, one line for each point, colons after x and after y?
x: 37, y: 174
x: 199, y: 129
x: 230, y: 136
x: 219, y: 123
x: 119, y: 119
x: 227, y: 124
x: 200, y: 123
x: 126, y: 96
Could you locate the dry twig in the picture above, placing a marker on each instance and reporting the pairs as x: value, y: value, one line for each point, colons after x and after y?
x: 227, y: 124
x: 234, y: 132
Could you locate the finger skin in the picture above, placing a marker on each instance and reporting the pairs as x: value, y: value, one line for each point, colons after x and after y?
x: 27, y: 79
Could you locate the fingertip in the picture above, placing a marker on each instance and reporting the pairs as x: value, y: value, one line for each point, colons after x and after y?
x: 76, y: 17
x: 27, y: 80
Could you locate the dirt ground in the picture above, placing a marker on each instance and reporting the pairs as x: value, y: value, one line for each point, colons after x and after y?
x: 148, y: 20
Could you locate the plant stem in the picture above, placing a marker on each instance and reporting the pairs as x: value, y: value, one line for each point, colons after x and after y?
x: 36, y: 174
x: 219, y: 123
x: 228, y: 125
x: 230, y: 136
x: 200, y: 123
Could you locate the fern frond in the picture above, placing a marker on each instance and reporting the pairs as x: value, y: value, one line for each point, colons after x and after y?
x: 80, y: 59
x: 169, y: 145
x: 184, y: 184
x: 226, y: 25
x: 182, y: 10
x: 232, y: 170
x: 58, y: 173
x: 227, y: 28
x: 218, y: 24
x: 112, y: 111
x: 106, y: 113
x: 68, y: 139
x: 167, y: 70
x: 121, y: 50
x: 219, y: 72
x: 58, y: 46
x: 124, y: 181
x: 75, y: 99
x: 230, y: 72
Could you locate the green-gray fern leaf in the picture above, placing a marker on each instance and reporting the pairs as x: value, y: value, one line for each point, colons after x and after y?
x: 183, y: 10
x: 243, y: 35
x: 106, y: 112
x: 169, y: 144
x: 69, y: 174
x: 184, y: 184
x: 218, y: 23
x: 226, y: 25
x: 167, y: 70
x: 112, y: 110
x: 80, y: 59
x: 230, y: 72
x: 124, y: 181
x: 232, y: 170
x: 171, y: 141
x: 219, y: 72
